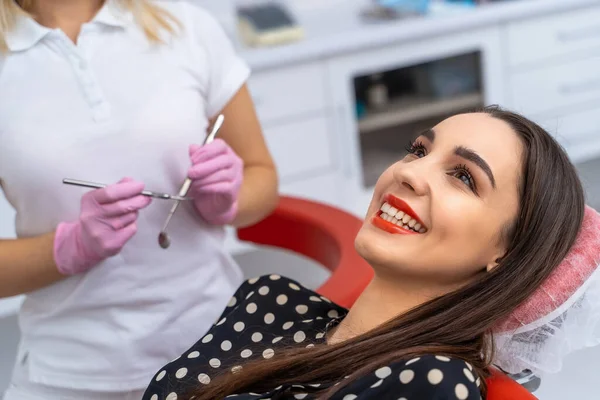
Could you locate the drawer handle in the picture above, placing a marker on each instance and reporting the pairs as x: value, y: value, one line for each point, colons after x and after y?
x: 580, y: 87
x: 579, y: 34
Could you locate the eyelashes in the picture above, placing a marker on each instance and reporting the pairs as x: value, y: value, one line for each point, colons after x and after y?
x: 460, y: 171
x: 416, y: 147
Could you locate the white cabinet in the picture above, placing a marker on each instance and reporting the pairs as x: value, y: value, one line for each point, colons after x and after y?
x: 553, y: 76
x: 553, y: 37
x: 556, y: 87
x: 343, y: 71
x: 289, y: 92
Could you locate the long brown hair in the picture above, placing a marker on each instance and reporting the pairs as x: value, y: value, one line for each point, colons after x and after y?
x: 458, y: 324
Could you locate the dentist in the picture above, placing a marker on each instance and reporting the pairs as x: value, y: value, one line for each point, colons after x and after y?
x: 120, y: 92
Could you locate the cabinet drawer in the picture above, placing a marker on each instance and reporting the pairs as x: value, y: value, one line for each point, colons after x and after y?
x: 285, y: 92
x: 300, y: 147
x: 553, y: 35
x: 577, y: 132
x: 552, y: 88
x: 323, y: 188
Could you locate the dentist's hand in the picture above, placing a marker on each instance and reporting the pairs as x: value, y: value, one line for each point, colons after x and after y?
x: 216, y: 174
x: 106, y: 222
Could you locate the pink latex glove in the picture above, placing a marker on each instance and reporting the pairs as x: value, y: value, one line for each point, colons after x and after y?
x: 107, y: 220
x: 216, y: 174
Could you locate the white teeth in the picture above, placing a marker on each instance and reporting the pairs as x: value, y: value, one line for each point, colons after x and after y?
x: 393, y: 215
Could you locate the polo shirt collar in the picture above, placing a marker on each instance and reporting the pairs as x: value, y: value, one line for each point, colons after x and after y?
x: 28, y: 32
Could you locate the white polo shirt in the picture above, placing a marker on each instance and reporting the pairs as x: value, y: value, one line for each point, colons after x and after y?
x: 109, y: 107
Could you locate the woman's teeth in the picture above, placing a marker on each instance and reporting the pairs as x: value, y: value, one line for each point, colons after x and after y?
x: 393, y: 215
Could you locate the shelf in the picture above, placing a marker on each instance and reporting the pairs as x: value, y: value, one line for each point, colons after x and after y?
x: 410, y: 110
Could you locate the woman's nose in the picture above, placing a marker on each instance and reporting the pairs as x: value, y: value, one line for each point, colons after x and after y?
x: 412, y: 177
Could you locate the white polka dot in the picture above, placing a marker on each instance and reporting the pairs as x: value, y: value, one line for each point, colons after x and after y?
x: 236, y: 369
x: 478, y: 382
x: 251, y: 308
x: 435, y: 376
x: 307, y: 321
x: 299, y: 337
x: 274, y: 277
x: 315, y: 385
x: 461, y: 391
x: 414, y: 360
x: 257, y: 337
x: 194, y: 354
x: 268, y: 353
x: 269, y: 318
x: 160, y: 375
x: 300, y: 395
x: 406, y: 376
x: 294, y: 286
x: 402, y: 398
x: 172, y: 396
x: 249, y: 295
x: 214, y: 362
x: 264, y: 290
x: 301, y: 309
x: 288, y: 325
x: 310, y: 346
x: 469, y: 366
x: 320, y: 335
x: 383, y: 373
x: 315, y: 298
x: 326, y: 299
x: 253, y: 281
x: 469, y: 375
x: 277, y: 339
x: 154, y: 397
x: 204, y: 379
x: 232, y: 302
x: 282, y: 299
x: 377, y: 384
x: 226, y: 345
x: 207, y: 338
x: 350, y: 397
x: 246, y: 353
x: 221, y: 322
x: 333, y: 314
x: 239, y: 326
x: 181, y: 372
x: 442, y: 358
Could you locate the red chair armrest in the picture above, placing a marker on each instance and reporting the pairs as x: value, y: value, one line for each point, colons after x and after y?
x: 321, y: 232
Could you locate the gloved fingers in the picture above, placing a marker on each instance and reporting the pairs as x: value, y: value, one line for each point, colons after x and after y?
x: 221, y: 188
x: 221, y: 175
x: 122, y: 221
x: 199, y: 154
x: 113, y: 245
x: 125, y: 206
x: 204, y: 169
x: 124, y: 189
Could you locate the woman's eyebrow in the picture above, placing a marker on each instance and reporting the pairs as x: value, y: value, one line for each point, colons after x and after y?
x: 472, y: 156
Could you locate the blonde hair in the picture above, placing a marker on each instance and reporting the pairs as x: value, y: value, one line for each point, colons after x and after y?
x: 151, y: 18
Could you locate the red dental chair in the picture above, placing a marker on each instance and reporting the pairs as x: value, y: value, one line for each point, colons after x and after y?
x: 326, y: 235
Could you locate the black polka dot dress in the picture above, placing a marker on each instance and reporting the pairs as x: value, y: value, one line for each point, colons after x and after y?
x: 272, y: 312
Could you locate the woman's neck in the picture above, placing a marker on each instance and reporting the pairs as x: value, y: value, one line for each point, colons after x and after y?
x: 383, y: 299
x: 66, y: 15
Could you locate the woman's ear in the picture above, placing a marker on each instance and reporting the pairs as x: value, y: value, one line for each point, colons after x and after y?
x: 494, y: 263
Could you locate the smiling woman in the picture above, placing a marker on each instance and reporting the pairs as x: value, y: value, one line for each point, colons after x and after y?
x: 475, y: 227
